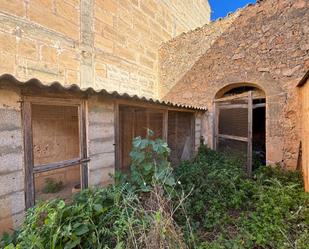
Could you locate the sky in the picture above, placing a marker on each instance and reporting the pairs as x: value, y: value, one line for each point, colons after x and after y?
x: 220, y: 8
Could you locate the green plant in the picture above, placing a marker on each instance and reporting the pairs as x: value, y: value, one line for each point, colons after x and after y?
x: 51, y: 186
x: 149, y: 163
x: 228, y: 210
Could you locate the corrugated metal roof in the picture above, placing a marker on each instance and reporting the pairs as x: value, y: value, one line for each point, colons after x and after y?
x: 75, y: 88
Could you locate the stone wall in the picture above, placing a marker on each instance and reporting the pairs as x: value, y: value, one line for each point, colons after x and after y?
x: 12, y: 198
x: 110, y: 44
x: 177, y: 56
x: 266, y: 46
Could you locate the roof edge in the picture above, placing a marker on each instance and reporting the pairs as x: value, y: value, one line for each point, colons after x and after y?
x: 4, y: 78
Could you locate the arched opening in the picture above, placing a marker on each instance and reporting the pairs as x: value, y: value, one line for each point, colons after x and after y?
x: 240, y: 123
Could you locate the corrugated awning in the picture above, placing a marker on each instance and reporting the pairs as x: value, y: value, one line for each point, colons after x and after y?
x: 75, y: 88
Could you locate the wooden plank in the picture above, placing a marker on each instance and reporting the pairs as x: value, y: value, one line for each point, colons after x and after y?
x: 243, y: 139
x: 165, y: 125
x: 59, y: 165
x: 28, y: 154
x: 84, y: 143
x: 193, y: 133
x: 250, y: 124
x: 53, y: 101
x: 216, y: 126
x: 117, y: 136
x: 232, y: 106
x: 243, y: 96
x: 259, y: 105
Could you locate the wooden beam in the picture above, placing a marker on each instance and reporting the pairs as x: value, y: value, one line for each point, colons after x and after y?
x: 28, y: 154
x: 84, y: 143
x: 232, y: 106
x: 250, y: 124
x: 243, y: 139
x: 53, y: 101
x: 117, y: 136
x: 259, y: 105
x: 165, y: 125
x: 244, y: 96
x: 59, y: 165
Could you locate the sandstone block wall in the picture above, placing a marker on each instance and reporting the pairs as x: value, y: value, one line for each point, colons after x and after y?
x: 265, y: 46
x: 110, y: 44
x: 12, y: 198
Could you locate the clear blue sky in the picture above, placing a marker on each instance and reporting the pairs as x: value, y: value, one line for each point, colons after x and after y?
x: 220, y: 8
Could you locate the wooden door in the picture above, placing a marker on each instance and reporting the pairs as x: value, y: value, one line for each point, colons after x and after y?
x: 233, y: 128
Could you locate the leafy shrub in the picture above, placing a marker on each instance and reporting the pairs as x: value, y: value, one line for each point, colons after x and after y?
x: 135, y: 213
x: 228, y: 210
x: 149, y: 163
x: 214, y: 204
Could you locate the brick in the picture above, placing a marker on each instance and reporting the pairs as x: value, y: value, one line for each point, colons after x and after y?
x: 7, y: 63
x: 69, y: 59
x: 67, y: 11
x: 72, y: 77
x: 16, y: 7
x: 100, y: 176
x: 100, y: 70
x: 11, y: 223
x: 104, y: 44
x: 11, y: 182
x: 7, y: 43
x: 102, y: 16
x: 125, y: 53
x: 28, y: 49
x: 53, y: 22
x: 47, y: 4
x: 12, y: 204
x: 101, y: 161
x: 108, y: 5
x: 49, y: 54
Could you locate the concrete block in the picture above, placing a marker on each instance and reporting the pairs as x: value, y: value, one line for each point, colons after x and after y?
x: 12, y: 204
x: 11, y: 182
x: 11, y: 162
x: 102, y: 160
x: 99, y: 176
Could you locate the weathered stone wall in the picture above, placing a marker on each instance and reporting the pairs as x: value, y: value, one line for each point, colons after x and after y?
x: 177, y: 56
x: 266, y: 46
x: 101, y: 140
x: 12, y: 199
x: 108, y: 44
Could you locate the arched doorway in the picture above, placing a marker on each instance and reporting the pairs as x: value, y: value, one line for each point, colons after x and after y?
x: 240, y: 124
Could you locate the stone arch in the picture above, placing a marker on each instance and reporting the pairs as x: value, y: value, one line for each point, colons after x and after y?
x: 275, y: 99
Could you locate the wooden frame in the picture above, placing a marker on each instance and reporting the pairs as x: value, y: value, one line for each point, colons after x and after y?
x: 149, y: 108
x: 224, y: 103
x: 30, y: 168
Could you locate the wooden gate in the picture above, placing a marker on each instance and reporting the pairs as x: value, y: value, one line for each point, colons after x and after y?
x: 233, y: 127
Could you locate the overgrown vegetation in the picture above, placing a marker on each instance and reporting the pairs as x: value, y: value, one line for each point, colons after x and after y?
x: 210, y: 205
x: 228, y: 210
